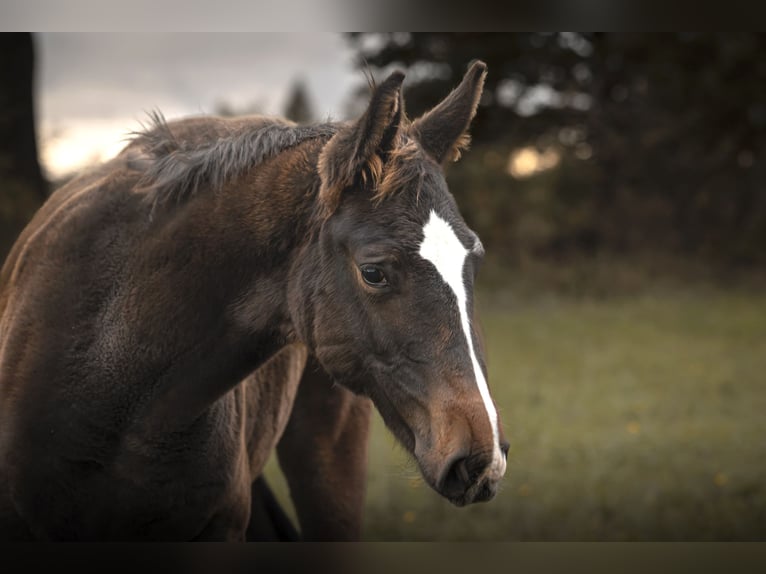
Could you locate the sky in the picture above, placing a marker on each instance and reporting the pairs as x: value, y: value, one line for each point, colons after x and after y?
x: 93, y: 89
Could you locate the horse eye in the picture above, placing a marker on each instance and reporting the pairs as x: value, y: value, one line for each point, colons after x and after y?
x: 373, y: 276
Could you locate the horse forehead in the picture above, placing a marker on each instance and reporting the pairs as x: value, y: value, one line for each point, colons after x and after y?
x: 440, y: 238
x: 444, y: 249
x: 443, y: 230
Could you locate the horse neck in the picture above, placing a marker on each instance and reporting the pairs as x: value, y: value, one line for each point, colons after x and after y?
x: 276, y: 208
x: 250, y: 231
x: 276, y: 202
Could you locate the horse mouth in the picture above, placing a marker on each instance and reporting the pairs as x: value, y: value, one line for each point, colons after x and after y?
x: 483, y: 491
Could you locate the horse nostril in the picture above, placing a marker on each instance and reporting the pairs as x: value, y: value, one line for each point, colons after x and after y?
x: 504, y: 447
x: 462, y: 474
x: 457, y: 479
x: 462, y: 471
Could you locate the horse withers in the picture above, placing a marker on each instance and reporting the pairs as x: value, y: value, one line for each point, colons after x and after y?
x: 227, y: 287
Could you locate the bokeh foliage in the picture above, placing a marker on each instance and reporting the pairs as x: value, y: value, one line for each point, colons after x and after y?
x: 660, y: 139
x: 635, y: 418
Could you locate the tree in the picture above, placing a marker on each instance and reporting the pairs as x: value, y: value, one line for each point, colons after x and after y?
x: 22, y: 186
x: 661, y: 137
x: 299, y: 108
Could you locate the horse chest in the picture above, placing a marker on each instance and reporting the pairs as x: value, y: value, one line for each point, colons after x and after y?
x: 167, y: 488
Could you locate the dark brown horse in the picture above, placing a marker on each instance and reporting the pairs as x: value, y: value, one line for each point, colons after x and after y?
x: 225, y: 287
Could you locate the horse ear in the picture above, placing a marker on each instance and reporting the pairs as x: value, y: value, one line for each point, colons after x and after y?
x: 443, y: 131
x: 361, y: 150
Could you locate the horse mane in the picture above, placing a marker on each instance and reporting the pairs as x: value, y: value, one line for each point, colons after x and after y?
x: 176, y: 168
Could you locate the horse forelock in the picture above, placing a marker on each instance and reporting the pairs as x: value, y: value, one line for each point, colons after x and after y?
x: 404, y: 169
x: 176, y: 168
x: 401, y: 169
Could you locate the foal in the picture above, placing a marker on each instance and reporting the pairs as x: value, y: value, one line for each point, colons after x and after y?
x: 225, y: 287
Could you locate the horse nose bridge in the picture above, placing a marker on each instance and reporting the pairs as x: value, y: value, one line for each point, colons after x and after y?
x: 456, y: 343
x: 466, y: 422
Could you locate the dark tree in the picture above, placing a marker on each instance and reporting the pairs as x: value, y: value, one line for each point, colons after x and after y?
x: 661, y: 137
x: 298, y: 108
x: 22, y: 186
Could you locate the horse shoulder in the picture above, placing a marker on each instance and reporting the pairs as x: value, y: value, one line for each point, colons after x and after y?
x: 267, y: 396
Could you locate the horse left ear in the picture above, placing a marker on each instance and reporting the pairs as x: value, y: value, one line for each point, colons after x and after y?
x: 443, y: 131
x: 358, y: 152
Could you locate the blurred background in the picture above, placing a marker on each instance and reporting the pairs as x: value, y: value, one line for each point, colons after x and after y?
x: 618, y: 182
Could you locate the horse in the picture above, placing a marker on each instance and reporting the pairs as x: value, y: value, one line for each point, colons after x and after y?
x: 229, y: 287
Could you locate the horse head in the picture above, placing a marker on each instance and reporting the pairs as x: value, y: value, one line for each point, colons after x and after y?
x: 384, y: 297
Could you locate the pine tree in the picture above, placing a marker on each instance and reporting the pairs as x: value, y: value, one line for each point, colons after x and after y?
x: 299, y: 107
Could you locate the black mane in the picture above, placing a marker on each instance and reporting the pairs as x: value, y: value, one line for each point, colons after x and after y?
x: 176, y: 168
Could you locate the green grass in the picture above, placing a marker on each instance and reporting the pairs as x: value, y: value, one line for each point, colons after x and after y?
x: 638, y: 418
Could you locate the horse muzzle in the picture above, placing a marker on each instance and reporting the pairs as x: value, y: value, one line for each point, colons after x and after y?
x: 473, y: 478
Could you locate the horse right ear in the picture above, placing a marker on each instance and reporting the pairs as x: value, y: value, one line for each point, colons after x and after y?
x: 359, y: 151
x: 443, y: 132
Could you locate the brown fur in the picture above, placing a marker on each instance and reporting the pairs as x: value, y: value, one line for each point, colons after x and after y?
x: 404, y: 169
x: 171, y: 318
x: 357, y: 154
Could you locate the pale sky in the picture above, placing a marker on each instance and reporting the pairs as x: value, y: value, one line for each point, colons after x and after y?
x: 93, y: 88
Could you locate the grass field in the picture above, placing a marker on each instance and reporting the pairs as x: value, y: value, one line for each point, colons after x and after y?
x: 640, y: 418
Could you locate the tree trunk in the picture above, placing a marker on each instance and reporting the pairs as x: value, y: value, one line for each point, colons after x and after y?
x: 22, y: 186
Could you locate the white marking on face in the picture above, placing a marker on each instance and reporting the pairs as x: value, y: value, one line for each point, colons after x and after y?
x: 444, y: 250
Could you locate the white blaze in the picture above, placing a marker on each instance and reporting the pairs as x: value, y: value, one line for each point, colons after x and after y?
x: 444, y: 250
